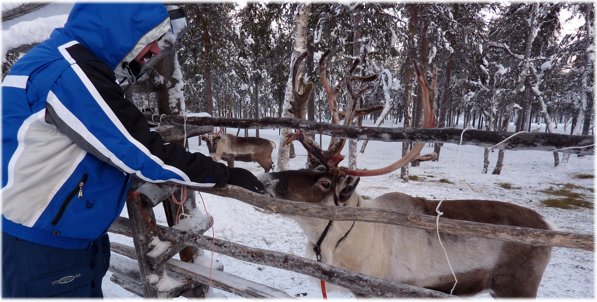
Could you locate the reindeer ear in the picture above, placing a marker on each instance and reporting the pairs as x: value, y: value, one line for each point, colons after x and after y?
x: 324, y: 184
x: 351, y: 185
x: 320, y: 169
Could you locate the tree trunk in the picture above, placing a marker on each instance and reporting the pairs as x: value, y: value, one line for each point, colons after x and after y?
x: 485, y: 160
x: 209, y: 105
x: 257, y: 80
x: 589, y: 28
x: 442, y: 104
x: 408, y: 80
x: 299, y: 36
x: 356, y: 52
x: 499, y: 164
x: 423, y: 57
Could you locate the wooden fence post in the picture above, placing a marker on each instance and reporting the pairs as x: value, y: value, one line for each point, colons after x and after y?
x: 141, y: 217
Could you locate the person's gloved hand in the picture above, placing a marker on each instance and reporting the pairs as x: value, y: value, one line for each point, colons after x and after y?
x: 245, y: 179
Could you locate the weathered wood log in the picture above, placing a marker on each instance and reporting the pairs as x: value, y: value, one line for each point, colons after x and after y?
x: 225, y: 281
x: 356, y: 282
x: 127, y: 283
x: 581, y: 144
x: 185, y: 286
x: 122, y: 226
x: 173, y: 133
x: 123, y: 271
x: 141, y: 217
x: 123, y: 249
x: 359, y: 283
x: 155, y: 193
x: 158, y: 260
x: 427, y: 222
x: 21, y: 10
x: 197, y: 273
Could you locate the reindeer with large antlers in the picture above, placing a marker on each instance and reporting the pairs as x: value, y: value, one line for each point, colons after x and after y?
x: 409, y: 255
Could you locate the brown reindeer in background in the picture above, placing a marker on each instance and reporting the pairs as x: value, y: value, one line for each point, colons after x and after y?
x: 409, y: 255
x: 247, y: 149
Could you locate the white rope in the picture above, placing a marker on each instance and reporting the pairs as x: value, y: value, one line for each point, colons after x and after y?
x: 460, y: 146
x: 509, y: 137
x: 458, y: 159
x: 568, y: 148
x: 442, y: 245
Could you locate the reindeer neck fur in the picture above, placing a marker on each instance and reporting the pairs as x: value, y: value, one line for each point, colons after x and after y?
x: 337, y: 231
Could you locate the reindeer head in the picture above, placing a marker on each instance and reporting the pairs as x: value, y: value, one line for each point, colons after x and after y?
x: 320, y: 185
x: 211, y: 140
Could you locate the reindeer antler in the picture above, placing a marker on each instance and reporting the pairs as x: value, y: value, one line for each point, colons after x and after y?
x: 428, y: 122
x: 332, y: 157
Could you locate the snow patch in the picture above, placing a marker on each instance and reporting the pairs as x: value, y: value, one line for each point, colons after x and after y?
x: 196, y: 222
x: 158, y: 247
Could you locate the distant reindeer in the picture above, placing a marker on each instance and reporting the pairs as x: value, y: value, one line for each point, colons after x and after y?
x: 410, y: 255
x: 247, y: 149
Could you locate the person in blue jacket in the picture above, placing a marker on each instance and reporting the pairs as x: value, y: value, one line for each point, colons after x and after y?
x: 71, y: 143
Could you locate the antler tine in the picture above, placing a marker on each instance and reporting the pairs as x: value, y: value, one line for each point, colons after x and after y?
x: 428, y: 122
x: 311, y: 146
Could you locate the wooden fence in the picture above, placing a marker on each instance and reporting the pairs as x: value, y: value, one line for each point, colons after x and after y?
x: 160, y: 276
x: 148, y: 269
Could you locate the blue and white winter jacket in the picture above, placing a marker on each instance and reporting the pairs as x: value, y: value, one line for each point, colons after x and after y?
x: 70, y: 140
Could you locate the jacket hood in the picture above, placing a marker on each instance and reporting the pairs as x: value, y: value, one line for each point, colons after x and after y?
x: 117, y: 32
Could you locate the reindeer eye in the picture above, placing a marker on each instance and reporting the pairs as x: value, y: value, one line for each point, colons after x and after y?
x: 326, y: 184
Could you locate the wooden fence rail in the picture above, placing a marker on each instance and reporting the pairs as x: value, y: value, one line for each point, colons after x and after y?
x: 448, y: 226
x: 574, y: 144
x: 359, y: 283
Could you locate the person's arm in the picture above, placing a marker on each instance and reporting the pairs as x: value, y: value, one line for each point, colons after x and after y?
x: 86, y: 104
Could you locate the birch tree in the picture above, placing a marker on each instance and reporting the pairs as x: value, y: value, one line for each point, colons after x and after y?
x: 299, y: 36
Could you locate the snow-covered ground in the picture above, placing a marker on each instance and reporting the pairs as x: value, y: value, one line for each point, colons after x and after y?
x: 570, y: 273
